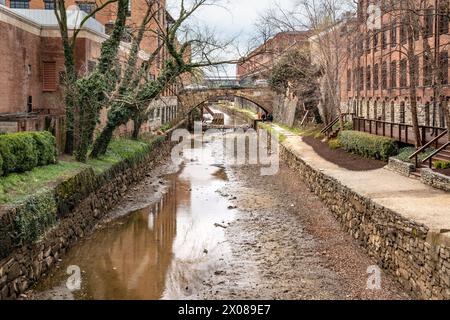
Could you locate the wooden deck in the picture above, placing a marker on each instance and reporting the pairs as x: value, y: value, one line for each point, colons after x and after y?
x: 400, y: 132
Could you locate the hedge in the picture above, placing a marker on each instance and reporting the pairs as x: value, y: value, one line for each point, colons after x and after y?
x: 24, y: 151
x: 368, y: 145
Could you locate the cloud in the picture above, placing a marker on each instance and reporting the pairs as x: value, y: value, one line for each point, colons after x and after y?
x: 236, y: 18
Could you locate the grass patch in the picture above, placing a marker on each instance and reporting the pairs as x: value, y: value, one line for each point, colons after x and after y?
x: 18, y: 186
x: 305, y: 131
x: 246, y: 112
x: 118, y: 150
x: 405, y: 153
x: 280, y: 137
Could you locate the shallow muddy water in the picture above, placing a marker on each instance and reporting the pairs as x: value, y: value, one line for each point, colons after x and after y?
x: 163, y: 251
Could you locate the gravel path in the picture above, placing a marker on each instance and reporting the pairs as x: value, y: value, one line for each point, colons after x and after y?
x: 287, y: 245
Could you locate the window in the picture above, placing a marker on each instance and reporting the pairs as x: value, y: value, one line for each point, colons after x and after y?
x: 368, y: 110
x: 349, y: 80
x: 361, y: 78
x: 443, y: 67
x: 375, y: 110
x: 443, y: 17
x: 429, y: 22
x: 384, y: 42
x: 427, y: 72
x: 415, y: 68
x: 49, y: 4
x: 19, y: 4
x: 375, y: 41
x: 91, y: 65
x: 443, y: 104
x: 383, y: 111
x: 368, y: 77
x: 49, y: 76
x: 129, y: 8
x: 427, y: 114
x: 384, y: 75
x: 87, y: 7
x: 403, y: 75
x: 403, y: 31
x: 393, y: 34
x: 375, y: 77
x: 393, y: 74
x: 402, y: 112
x: 30, y: 104
x: 368, y: 41
x: 392, y: 112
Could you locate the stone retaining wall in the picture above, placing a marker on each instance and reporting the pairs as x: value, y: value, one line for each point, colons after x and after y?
x: 436, y: 180
x: 401, y: 167
x: 418, y: 257
x: 78, y: 203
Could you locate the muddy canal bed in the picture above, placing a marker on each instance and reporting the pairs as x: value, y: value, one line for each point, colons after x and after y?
x: 208, y: 230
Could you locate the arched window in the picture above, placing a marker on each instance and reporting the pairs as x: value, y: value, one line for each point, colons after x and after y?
x: 383, y: 111
x: 429, y: 21
x: 368, y: 109
x: 427, y: 113
x: 402, y: 112
x: 443, y: 16
x: 392, y: 111
x: 375, y: 110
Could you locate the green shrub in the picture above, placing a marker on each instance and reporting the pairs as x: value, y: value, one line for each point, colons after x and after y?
x: 368, y: 145
x: 334, y: 144
x: 442, y: 165
x: 46, y: 146
x: 24, y: 151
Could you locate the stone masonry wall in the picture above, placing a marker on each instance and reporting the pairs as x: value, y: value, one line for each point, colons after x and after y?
x: 78, y: 211
x: 418, y: 257
x: 435, y: 179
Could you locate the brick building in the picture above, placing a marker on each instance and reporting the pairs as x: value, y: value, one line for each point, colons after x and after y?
x: 376, y: 77
x: 255, y: 70
x: 32, y: 60
x: 257, y: 63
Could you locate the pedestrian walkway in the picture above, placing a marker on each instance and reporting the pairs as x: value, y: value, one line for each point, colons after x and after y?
x: 408, y: 197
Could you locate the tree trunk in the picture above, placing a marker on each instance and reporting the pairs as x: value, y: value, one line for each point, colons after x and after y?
x: 137, y: 124
x: 102, y: 142
x: 413, y: 83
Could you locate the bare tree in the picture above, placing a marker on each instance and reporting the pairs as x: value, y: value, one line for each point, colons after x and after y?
x: 205, y: 50
x: 324, y: 19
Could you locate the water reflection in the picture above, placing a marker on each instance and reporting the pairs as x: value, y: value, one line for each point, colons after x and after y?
x: 164, y: 251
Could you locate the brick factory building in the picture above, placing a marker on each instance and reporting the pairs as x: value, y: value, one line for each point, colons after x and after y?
x: 375, y: 80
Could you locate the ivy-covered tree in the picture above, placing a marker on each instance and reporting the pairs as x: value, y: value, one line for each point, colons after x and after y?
x: 295, y: 73
x: 129, y: 103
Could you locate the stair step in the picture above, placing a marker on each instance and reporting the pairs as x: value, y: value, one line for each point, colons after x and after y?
x: 416, y: 174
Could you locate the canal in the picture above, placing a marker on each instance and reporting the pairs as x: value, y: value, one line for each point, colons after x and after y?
x: 214, y: 231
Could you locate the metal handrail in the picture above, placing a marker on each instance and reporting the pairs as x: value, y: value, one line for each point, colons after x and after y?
x: 431, y: 156
x: 330, y: 125
x: 424, y: 147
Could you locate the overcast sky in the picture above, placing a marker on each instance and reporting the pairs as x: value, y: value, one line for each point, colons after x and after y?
x: 237, y: 18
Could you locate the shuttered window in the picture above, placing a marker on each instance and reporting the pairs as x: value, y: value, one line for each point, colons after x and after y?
x: 49, y: 76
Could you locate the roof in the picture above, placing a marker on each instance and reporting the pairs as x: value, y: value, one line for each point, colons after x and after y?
x: 47, y: 18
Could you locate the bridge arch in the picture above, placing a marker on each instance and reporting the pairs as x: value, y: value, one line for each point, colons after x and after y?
x: 261, y: 97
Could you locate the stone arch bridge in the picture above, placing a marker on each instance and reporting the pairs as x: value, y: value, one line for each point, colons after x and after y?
x: 261, y: 96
